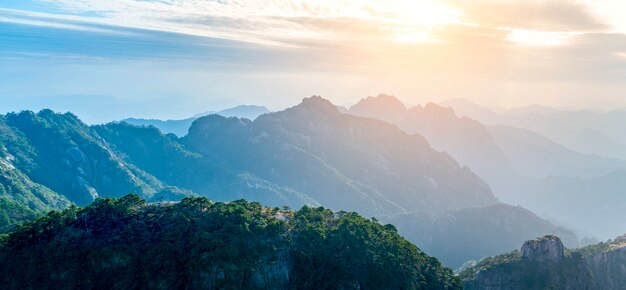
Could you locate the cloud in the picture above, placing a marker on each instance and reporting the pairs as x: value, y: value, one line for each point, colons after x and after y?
x: 486, y: 52
x: 550, y: 15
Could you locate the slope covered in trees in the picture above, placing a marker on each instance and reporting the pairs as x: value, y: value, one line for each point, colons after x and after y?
x: 544, y: 263
x: 67, y: 156
x: 125, y: 243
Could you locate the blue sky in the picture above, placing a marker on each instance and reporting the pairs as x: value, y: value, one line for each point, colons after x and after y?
x: 107, y: 60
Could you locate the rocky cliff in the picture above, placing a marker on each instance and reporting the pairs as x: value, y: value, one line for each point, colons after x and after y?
x: 544, y: 249
x: 545, y: 264
x: 541, y: 264
x: 607, y: 262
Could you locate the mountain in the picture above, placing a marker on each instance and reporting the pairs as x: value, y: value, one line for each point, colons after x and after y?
x: 176, y: 127
x: 607, y: 262
x: 544, y: 263
x: 466, y: 108
x: 597, y: 205
x: 310, y: 154
x: 21, y: 199
x: 584, y: 131
x: 249, y: 112
x: 477, y: 232
x: 532, y: 110
x: 537, y: 156
x: 69, y: 157
x: 164, y: 157
x: 126, y: 243
x: 521, y: 167
x: 344, y: 162
x: 181, y: 127
x: 383, y: 107
x: 466, y: 140
x: 541, y: 264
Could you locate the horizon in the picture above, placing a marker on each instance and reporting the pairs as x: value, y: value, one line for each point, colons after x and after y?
x: 86, y: 116
x: 177, y: 56
x: 429, y: 144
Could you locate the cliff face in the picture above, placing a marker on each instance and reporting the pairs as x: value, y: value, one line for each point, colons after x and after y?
x: 544, y: 249
x: 545, y: 264
x: 541, y: 264
x: 609, y: 265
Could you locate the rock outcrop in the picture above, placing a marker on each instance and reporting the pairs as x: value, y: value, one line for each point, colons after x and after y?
x: 541, y: 264
x: 545, y: 264
x: 609, y: 264
x: 547, y: 248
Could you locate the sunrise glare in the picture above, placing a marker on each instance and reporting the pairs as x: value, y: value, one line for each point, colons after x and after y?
x: 313, y: 144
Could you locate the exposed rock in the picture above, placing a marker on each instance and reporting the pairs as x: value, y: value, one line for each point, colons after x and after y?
x: 609, y: 266
x: 541, y: 264
x: 547, y: 248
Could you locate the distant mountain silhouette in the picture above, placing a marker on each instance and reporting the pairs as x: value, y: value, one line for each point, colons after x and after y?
x: 521, y: 166
x: 357, y: 164
x: 585, y: 131
x: 181, y: 127
x: 537, y: 156
x: 466, y: 140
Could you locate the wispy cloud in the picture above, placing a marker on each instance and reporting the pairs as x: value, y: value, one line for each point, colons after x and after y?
x: 445, y: 48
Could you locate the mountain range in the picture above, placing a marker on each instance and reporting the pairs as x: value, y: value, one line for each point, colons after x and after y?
x: 181, y: 127
x: 585, y: 131
x: 310, y: 154
x: 521, y: 166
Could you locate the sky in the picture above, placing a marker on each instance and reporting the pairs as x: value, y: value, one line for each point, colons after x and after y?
x: 110, y: 59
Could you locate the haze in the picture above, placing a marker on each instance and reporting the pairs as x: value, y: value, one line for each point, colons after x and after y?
x: 215, y: 54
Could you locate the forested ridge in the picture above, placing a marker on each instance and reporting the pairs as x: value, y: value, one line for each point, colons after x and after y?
x: 126, y: 243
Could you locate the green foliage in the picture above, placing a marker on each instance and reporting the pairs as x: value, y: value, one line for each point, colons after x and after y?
x: 21, y: 199
x: 123, y: 243
x: 513, y: 271
x: 490, y: 262
x: 84, y: 167
x: 208, y: 174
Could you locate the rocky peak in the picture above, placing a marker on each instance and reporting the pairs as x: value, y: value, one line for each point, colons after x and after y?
x: 384, y: 107
x: 546, y: 248
x: 318, y: 103
x: 432, y: 108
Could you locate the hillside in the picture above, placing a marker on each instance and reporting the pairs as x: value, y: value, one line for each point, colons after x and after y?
x: 544, y: 263
x: 520, y: 166
x: 21, y: 199
x: 466, y: 140
x: 164, y: 157
x: 67, y: 156
x: 342, y: 161
x: 126, y: 243
x: 474, y: 233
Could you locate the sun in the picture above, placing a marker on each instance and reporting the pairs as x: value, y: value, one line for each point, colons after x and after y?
x: 414, y: 20
x: 424, y: 13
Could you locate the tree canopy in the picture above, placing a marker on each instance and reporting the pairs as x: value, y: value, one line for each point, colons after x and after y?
x: 128, y: 243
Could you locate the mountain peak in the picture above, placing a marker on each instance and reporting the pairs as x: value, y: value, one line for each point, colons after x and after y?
x: 546, y: 248
x: 384, y: 107
x: 435, y: 108
x: 318, y: 103
x: 384, y: 101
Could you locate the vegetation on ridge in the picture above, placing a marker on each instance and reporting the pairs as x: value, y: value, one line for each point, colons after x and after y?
x: 127, y: 243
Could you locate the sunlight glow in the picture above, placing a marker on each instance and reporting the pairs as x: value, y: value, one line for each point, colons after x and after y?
x: 415, y: 20
x: 539, y: 38
x: 414, y: 37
